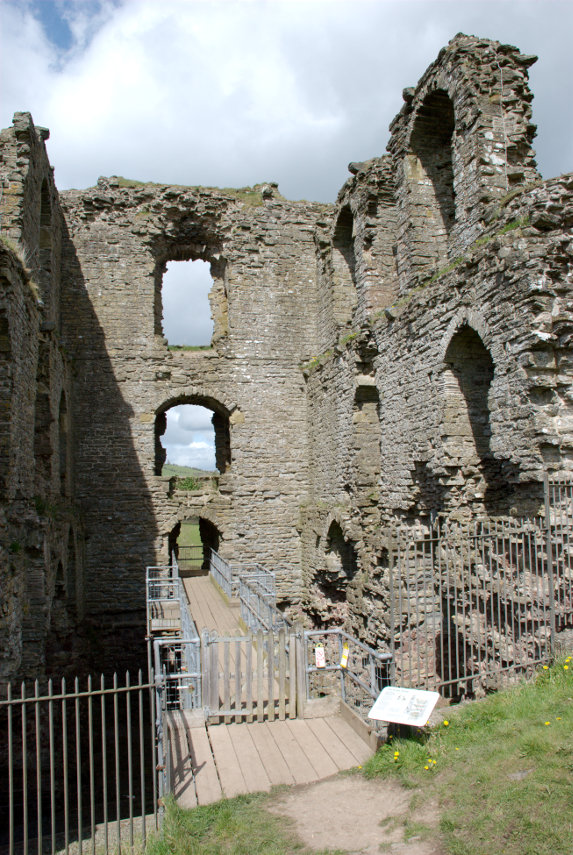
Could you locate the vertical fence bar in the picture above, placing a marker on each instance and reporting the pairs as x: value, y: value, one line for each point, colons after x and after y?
x: 249, y: 678
x: 38, y: 767
x: 78, y: 766
x: 24, y: 767
x: 91, y: 763
x: 10, y: 772
x: 260, y: 666
x: 129, y: 755
x: 104, y: 762
x: 116, y: 748
x: 65, y: 769
x: 271, y: 674
x: 238, y: 686
x: 141, y: 755
x: 52, y: 767
x: 153, y: 734
x: 550, y: 565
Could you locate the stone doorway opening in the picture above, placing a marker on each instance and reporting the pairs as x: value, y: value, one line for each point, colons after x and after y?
x: 190, y: 543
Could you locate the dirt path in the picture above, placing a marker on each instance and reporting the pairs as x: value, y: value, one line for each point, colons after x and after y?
x: 361, y: 817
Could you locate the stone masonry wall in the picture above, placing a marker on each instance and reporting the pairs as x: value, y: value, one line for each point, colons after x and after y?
x: 400, y: 356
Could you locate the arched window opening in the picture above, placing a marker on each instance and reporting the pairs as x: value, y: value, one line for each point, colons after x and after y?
x: 45, y: 240
x: 185, y: 292
x: 343, y: 260
x: 191, y: 440
x: 431, y: 176
x: 467, y: 377
x: 63, y: 446
x: 60, y: 592
x: 190, y: 543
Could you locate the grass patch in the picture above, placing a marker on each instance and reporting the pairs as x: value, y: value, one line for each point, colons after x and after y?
x: 239, y: 826
x: 189, y: 347
x: 502, y: 769
x: 189, y: 534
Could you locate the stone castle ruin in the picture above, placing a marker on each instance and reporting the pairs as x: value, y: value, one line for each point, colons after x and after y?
x: 400, y: 356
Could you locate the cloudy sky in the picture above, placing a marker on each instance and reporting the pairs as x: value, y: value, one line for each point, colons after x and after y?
x: 235, y: 92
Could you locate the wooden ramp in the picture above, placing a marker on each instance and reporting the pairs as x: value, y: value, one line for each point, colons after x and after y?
x: 209, y: 609
x: 211, y: 762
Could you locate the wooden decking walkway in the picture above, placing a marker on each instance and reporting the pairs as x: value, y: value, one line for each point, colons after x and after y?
x: 211, y: 762
x: 208, y: 607
x: 214, y: 761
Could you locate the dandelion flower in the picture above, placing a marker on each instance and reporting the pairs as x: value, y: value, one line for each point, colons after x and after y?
x: 546, y: 723
x: 545, y: 667
x: 566, y: 667
x: 457, y: 749
x: 426, y: 767
x: 446, y: 723
x: 558, y: 718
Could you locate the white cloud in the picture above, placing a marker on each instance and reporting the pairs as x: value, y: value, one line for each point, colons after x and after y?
x: 189, y: 439
x: 232, y: 93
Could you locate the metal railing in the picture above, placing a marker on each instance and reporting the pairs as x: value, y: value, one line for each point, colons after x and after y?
x: 222, y: 573
x: 337, y: 663
x: 77, y: 766
x: 257, y: 595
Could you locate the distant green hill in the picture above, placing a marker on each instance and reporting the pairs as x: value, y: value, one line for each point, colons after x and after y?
x: 172, y: 469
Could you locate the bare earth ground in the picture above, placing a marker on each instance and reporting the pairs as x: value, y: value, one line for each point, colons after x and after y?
x: 360, y: 817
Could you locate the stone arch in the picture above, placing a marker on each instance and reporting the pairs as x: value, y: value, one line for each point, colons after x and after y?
x: 466, y: 379
x: 220, y: 421
x: 430, y: 175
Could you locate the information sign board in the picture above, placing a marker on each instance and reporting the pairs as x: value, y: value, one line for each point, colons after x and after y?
x: 404, y: 706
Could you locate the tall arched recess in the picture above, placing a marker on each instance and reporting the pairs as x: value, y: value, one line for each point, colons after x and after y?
x: 219, y: 420
x: 468, y: 373
x: 431, y: 181
x: 343, y: 267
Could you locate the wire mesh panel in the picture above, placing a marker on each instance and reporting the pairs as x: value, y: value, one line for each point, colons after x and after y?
x: 77, y: 766
x: 470, y: 604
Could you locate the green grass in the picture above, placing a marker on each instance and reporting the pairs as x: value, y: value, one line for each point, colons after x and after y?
x: 501, y: 768
x: 239, y: 826
x: 171, y: 470
x: 189, y: 347
x: 189, y: 535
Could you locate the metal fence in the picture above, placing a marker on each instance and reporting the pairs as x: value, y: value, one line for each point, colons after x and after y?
x: 559, y: 528
x: 177, y: 665
x: 470, y: 604
x: 77, y: 767
x: 257, y: 595
x: 222, y: 573
x: 337, y: 663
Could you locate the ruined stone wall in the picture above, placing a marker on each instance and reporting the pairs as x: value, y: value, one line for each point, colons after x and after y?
x: 400, y: 356
x: 40, y: 543
x: 452, y: 399
x: 263, y: 261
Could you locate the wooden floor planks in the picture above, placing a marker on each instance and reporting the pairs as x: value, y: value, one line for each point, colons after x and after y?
x: 228, y: 759
x: 225, y: 760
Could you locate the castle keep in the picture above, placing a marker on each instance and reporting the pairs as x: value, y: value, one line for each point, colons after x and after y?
x: 399, y: 356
